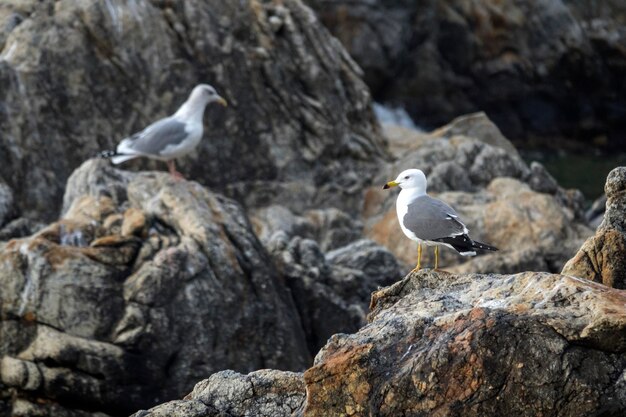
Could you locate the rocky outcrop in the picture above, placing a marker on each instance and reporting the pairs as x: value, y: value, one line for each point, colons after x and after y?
x: 442, y: 344
x: 549, y: 68
x: 298, y: 131
x: 536, y: 224
x: 334, y: 285
x: 602, y: 258
x: 145, y: 286
x: 264, y: 393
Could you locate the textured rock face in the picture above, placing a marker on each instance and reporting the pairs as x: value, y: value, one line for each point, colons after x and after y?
x: 547, y: 67
x: 520, y: 209
x: 264, y: 393
x: 440, y: 344
x: 472, y: 345
x: 602, y: 258
x: 145, y: 286
x: 298, y: 124
x: 332, y: 291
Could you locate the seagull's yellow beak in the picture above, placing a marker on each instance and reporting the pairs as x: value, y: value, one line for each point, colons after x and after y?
x: 390, y: 184
x: 220, y: 100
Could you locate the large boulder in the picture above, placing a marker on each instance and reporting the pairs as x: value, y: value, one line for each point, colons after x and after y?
x: 552, y: 68
x: 440, y: 344
x: 144, y: 287
x: 299, y: 129
x: 602, y: 258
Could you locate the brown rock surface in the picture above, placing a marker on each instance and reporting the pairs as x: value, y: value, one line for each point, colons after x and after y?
x: 602, y: 258
x: 97, y: 319
x: 440, y: 344
x: 478, y: 345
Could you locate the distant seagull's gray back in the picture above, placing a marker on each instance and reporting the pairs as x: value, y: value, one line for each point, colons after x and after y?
x: 157, y: 139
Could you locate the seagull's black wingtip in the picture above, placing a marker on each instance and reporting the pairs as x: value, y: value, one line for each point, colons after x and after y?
x: 106, y: 154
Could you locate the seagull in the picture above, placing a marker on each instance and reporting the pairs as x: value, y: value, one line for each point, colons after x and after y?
x: 427, y: 220
x: 171, y: 137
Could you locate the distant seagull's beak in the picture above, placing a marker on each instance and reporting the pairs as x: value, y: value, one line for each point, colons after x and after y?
x: 390, y: 184
x: 220, y: 100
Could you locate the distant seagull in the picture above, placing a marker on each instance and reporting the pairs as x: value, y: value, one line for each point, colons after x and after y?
x: 427, y: 220
x: 171, y: 137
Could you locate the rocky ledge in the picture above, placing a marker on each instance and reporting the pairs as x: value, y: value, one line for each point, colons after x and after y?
x: 442, y: 344
x: 147, y: 285
x: 452, y: 344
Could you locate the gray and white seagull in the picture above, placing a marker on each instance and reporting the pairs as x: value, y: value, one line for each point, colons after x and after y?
x: 427, y: 220
x: 171, y: 137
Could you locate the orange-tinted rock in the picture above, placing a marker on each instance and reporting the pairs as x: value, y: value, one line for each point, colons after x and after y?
x: 602, y: 258
x: 134, y: 223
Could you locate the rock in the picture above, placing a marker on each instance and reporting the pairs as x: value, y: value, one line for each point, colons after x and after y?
x: 527, y: 64
x: 337, y: 285
x: 20, y: 227
x: 264, y: 393
x: 112, y: 321
x: 442, y: 344
x: 330, y: 228
x: 595, y: 214
x: 299, y: 117
x: 602, y: 258
x: 6, y: 203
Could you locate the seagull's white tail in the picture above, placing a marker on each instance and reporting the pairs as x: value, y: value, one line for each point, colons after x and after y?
x: 118, y: 159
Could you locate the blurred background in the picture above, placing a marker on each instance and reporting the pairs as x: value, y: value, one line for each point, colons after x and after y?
x: 550, y: 74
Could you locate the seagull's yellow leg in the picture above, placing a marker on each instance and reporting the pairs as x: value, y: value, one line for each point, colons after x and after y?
x: 419, y: 258
x: 436, y: 256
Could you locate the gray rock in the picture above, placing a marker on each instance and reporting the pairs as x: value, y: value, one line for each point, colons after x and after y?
x: 299, y: 113
x: 134, y: 296
x: 337, y: 285
x: 20, y: 227
x: 264, y: 393
x: 446, y: 344
x: 595, y: 214
x: 330, y: 228
x: 527, y: 64
x: 6, y: 203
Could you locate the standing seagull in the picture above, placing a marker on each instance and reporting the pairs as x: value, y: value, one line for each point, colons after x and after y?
x: 430, y: 221
x: 171, y: 137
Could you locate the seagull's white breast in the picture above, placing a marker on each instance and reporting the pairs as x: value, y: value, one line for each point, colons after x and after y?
x: 405, y: 198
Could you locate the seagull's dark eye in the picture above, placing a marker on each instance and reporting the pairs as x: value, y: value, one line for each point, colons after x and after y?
x: 406, y: 178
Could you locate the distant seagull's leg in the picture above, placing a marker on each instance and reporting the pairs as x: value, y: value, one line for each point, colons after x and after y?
x: 436, y: 257
x: 171, y: 165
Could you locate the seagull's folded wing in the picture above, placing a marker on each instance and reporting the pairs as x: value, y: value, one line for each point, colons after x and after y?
x: 432, y: 219
x: 154, y: 139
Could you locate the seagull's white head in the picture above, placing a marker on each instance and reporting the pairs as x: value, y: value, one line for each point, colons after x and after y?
x: 204, y: 94
x: 409, y: 179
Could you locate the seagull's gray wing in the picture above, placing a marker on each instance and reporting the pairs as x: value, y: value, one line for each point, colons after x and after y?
x: 155, y: 138
x: 432, y: 219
